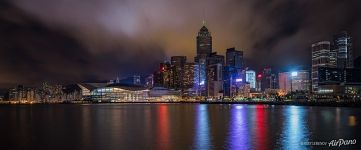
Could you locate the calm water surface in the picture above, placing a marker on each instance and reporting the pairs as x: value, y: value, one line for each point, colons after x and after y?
x: 175, y: 126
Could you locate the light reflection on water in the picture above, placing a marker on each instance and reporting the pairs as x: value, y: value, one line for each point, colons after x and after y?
x: 175, y: 126
x: 260, y: 127
x: 203, y: 140
x: 352, y: 121
x: 163, y: 127
x: 295, y: 128
x: 238, y: 128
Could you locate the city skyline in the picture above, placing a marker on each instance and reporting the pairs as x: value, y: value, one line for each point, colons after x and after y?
x: 76, y: 61
x: 180, y: 74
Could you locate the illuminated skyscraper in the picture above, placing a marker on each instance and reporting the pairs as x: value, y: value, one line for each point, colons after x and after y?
x: 177, y: 64
x: 215, y: 75
x: 204, y: 42
x: 201, y: 75
x: 321, y: 57
x: 332, y: 58
x: 227, y: 78
x: 204, y: 49
x: 339, y: 80
x: 188, y: 76
x: 339, y: 55
x: 251, y: 78
x: 343, y: 47
x: 233, y: 71
x: 215, y: 80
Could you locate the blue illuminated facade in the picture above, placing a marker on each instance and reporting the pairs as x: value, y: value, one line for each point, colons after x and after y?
x: 233, y: 72
x: 251, y: 78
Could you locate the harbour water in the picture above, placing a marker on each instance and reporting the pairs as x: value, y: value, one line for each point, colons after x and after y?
x: 177, y: 126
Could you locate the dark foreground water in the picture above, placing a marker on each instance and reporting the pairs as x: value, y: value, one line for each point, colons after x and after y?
x: 175, y: 126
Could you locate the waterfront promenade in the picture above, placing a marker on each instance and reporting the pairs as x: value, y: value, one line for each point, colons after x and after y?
x: 347, y: 103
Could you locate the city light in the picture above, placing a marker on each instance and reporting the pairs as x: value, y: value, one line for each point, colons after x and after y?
x: 187, y: 79
x: 154, y: 75
x: 239, y: 80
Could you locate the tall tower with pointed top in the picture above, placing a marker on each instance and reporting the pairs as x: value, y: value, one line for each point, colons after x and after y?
x: 204, y: 42
x: 204, y: 50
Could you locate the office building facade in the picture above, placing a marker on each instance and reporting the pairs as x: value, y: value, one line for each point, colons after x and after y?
x: 251, y: 78
x: 343, y: 46
x: 204, y: 50
x: 297, y: 81
x: 321, y: 57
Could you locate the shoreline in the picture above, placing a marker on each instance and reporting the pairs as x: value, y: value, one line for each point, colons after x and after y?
x: 295, y: 103
x: 292, y: 103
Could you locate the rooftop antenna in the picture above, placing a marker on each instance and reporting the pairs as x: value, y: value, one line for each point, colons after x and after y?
x: 204, y: 17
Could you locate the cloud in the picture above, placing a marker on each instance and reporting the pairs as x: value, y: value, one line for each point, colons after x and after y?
x: 31, y: 52
x: 121, y: 37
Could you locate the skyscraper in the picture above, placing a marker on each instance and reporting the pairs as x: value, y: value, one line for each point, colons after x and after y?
x: 343, y: 46
x: 204, y: 42
x: 321, y: 57
x: 227, y: 77
x: 177, y: 64
x: 204, y: 49
x: 234, y: 58
x: 251, y: 78
x: 163, y: 77
x: 215, y: 75
x: 200, y: 75
x: 188, y: 75
x: 234, y: 75
x: 332, y: 58
x: 339, y: 80
x: 215, y: 80
x: 269, y: 79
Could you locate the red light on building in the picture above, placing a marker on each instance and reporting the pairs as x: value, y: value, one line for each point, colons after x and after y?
x: 259, y: 75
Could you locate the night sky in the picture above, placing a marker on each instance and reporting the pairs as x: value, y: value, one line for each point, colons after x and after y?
x: 87, y: 40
